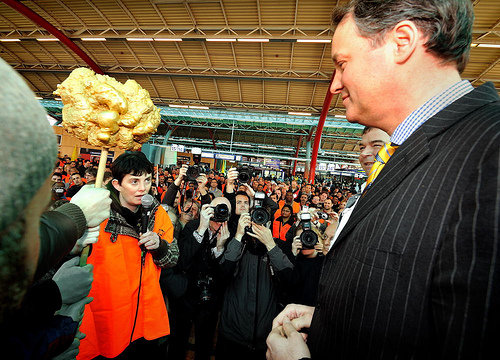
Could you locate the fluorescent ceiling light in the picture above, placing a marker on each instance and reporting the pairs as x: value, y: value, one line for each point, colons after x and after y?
x: 243, y: 145
x: 253, y: 40
x: 489, y: 45
x: 341, y: 116
x: 314, y: 40
x: 220, y: 39
x: 47, y: 39
x: 94, y: 39
x: 10, y: 40
x: 299, y: 113
x: 178, y: 106
x: 168, y: 39
x: 139, y: 39
x: 199, y: 107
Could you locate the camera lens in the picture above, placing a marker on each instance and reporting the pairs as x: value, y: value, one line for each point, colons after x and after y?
x: 221, y: 213
x: 192, y: 173
x: 309, y: 239
x: 243, y: 177
x: 260, y: 216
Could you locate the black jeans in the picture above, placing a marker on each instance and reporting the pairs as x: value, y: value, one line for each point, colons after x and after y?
x: 183, y: 315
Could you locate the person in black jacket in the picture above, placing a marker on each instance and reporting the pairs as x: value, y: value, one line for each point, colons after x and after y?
x: 201, y: 244
x: 258, y: 269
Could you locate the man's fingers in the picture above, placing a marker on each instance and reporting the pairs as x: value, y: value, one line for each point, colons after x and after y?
x: 289, y: 329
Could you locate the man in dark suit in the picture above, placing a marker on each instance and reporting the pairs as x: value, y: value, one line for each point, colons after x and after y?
x: 415, y: 273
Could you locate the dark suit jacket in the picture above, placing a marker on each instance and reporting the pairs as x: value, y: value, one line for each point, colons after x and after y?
x: 415, y: 273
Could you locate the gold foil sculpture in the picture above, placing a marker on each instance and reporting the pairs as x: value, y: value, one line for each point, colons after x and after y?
x: 106, y: 113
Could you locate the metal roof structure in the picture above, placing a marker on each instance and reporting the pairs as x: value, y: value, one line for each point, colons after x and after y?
x: 263, y: 57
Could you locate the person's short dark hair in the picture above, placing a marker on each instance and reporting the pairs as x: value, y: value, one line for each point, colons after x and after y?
x: 447, y: 24
x: 76, y: 173
x: 107, y: 175
x: 57, y: 174
x: 91, y: 171
x: 367, y: 129
x: 244, y: 194
x: 133, y: 163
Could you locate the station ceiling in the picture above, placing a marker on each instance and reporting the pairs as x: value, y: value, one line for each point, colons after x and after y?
x: 260, y: 57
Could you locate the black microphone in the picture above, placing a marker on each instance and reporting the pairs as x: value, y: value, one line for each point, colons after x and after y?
x: 147, y: 206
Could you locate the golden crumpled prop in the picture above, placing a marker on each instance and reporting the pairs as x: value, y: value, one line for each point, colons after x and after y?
x: 106, y: 113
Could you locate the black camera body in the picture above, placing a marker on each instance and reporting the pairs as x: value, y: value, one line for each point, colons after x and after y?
x: 308, y: 238
x: 221, y: 213
x: 259, y: 214
x: 245, y: 174
x: 322, y: 215
x: 205, y: 286
x: 193, y: 172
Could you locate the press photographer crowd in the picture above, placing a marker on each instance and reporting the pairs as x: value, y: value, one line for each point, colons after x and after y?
x: 233, y: 250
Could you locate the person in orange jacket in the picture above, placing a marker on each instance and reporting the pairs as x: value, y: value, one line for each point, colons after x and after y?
x: 128, y: 310
x: 283, y: 223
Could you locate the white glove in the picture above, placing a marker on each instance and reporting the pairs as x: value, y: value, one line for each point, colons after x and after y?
x: 74, y: 282
x: 95, y: 204
x: 89, y: 237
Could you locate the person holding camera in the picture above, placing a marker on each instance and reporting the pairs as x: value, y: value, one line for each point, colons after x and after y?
x: 259, y: 269
x: 201, y: 243
x: 308, y: 249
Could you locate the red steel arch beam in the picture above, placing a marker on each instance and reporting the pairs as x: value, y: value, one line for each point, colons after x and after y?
x: 299, y: 144
x: 319, y: 130
x: 37, y: 19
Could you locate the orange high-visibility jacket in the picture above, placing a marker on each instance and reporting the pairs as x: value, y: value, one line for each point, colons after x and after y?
x: 280, y: 229
x: 295, y: 208
x: 108, y: 320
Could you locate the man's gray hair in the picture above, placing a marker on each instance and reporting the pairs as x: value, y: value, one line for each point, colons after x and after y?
x: 447, y: 24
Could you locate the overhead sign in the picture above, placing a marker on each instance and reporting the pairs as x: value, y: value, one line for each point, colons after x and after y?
x: 207, y: 155
x: 331, y: 167
x: 179, y: 148
x: 273, y: 163
x: 322, y: 166
x: 224, y: 157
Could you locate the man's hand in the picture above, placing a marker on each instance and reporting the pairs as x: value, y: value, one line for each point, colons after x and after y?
x: 150, y: 240
x: 75, y: 311
x: 95, y: 204
x: 222, y: 236
x: 285, y: 343
x: 264, y: 235
x: 89, y: 237
x: 71, y: 352
x: 300, y: 316
x: 243, y: 223
x: 232, y: 175
x: 296, y: 245
x: 206, y: 214
x: 74, y: 282
x: 181, y: 176
x: 202, y: 184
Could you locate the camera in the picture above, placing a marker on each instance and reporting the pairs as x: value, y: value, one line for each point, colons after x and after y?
x: 308, y: 238
x: 322, y: 215
x: 193, y: 172
x: 259, y: 214
x: 245, y: 174
x: 205, y: 284
x: 221, y: 213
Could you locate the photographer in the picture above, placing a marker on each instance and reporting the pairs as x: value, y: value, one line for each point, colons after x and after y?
x: 201, y: 243
x: 308, y: 248
x: 258, y: 270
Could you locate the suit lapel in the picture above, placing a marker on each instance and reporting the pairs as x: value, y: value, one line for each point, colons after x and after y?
x: 415, y: 150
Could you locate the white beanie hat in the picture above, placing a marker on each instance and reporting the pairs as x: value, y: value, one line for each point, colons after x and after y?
x: 28, y: 146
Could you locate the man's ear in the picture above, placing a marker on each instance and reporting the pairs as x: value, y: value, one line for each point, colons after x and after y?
x: 116, y: 185
x: 406, y: 37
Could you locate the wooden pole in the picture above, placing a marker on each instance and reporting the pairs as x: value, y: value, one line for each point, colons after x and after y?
x: 98, y: 184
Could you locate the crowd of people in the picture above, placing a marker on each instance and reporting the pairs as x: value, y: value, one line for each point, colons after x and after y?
x: 235, y: 265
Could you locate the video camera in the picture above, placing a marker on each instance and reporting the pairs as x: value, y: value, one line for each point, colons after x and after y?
x: 308, y: 238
